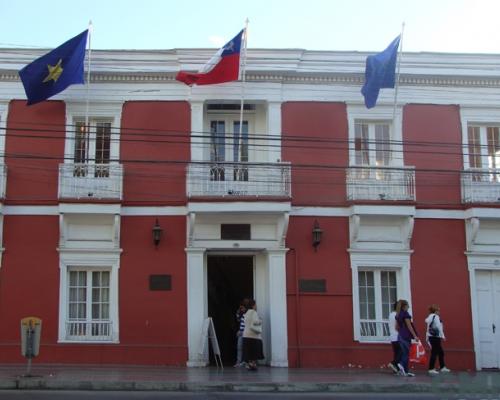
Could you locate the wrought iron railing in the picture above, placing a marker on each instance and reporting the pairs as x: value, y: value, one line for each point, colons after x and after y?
x: 95, y: 181
x: 91, y: 331
x: 380, y: 183
x: 481, y: 185
x: 376, y: 330
x: 238, y: 179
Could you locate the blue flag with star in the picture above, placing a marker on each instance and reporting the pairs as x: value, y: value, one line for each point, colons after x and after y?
x: 55, y: 71
x: 380, y: 72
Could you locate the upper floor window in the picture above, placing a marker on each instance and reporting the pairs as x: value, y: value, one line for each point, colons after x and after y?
x: 484, y: 150
x: 375, y: 138
x: 92, y: 146
x: 227, y: 143
x: 372, y: 143
x: 96, y: 144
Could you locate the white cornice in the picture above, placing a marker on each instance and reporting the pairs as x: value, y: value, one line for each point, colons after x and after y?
x: 321, y: 78
x: 275, y: 65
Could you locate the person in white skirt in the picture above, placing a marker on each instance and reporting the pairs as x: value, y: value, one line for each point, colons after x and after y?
x: 252, y: 337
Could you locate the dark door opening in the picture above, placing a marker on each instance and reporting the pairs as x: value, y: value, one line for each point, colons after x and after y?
x: 230, y: 279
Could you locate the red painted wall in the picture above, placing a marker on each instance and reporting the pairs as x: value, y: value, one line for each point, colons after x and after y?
x: 153, y: 324
x: 34, y: 148
x: 439, y: 274
x: 154, y: 147
x: 433, y: 142
x: 318, y: 165
x: 29, y: 281
x: 153, y: 321
x: 320, y: 328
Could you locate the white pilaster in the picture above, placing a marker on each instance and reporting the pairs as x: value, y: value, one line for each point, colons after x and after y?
x: 274, y: 129
x: 277, y: 307
x: 196, y: 130
x: 196, y: 295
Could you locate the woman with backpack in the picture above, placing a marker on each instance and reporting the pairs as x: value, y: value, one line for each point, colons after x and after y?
x: 435, y: 335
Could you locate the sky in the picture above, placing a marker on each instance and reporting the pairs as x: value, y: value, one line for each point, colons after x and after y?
x: 452, y: 26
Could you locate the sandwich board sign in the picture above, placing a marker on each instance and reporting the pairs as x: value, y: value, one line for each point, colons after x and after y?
x: 208, y: 334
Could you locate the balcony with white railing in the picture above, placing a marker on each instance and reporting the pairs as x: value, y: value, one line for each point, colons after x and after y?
x: 90, y: 181
x: 481, y: 185
x: 380, y: 183
x: 3, y: 180
x: 373, y: 330
x: 89, y: 331
x: 206, y: 179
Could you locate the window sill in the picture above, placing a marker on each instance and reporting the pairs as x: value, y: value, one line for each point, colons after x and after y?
x: 77, y: 341
x: 374, y: 341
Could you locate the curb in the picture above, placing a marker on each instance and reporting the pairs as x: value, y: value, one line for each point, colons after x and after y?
x: 23, y: 383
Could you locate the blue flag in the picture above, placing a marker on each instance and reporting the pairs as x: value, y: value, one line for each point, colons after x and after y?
x: 55, y: 71
x: 380, y: 73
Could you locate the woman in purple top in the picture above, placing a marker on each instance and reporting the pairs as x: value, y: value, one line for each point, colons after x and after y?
x: 407, y: 332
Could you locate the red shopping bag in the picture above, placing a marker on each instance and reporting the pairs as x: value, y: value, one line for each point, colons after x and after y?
x: 417, y: 353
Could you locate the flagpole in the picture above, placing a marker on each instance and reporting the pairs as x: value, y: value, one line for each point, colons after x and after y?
x: 87, y: 100
x: 397, y: 73
x: 243, y: 71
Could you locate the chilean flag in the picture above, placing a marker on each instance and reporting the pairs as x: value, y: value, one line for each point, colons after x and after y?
x: 224, y: 66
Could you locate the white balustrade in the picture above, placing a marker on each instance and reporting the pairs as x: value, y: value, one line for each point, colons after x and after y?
x: 481, y: 185
x: 89, y: 331
x: 94, y: 181
x: 380, y: 183
x: 238, y: 179
x: 374, y: 330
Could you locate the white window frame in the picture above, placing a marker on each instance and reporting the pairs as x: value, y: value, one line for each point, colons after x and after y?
x: 379, y: 114
x: 229, y: 120
x: 4, y: 107
x: 109, y: 112
x: 484, y: 117
x: 89, y: 262
x: 483, y: 143
x: 374, y: 261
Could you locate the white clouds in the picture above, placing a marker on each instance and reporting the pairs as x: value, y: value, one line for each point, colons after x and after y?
x: 217, y: 41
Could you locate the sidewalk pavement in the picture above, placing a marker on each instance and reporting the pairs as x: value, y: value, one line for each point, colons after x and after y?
x: 266, y: 379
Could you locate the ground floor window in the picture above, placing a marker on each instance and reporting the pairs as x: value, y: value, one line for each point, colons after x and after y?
x: 377, y: 290
x: 88, y: 316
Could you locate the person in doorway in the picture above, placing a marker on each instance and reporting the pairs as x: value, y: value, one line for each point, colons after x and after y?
x: 240, y: 326
x: 393, y: 336
x: 406, y: 333
x: 252, y: 337
x: 434, y: 336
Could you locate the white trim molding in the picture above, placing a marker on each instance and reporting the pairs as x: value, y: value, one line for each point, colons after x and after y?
x: 4, y: 109
x: 107, y: 110
x: 90, y: 262
x: 378, y: 114
x: 80, y: 208
x: 380, y: 260
x: 479, y: 262
x: 479, y: 116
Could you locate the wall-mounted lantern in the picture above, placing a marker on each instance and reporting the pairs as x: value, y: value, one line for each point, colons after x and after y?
x: 317, y: 233
x: 157, y: 233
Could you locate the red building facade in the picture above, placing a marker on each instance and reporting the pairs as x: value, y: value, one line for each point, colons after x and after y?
x: 405, y: 197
